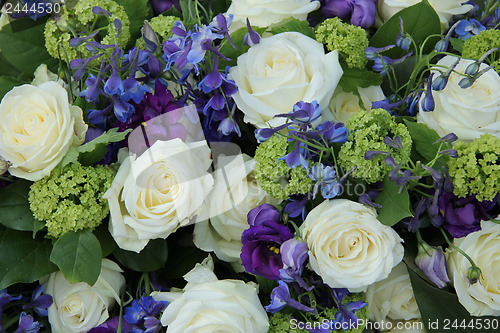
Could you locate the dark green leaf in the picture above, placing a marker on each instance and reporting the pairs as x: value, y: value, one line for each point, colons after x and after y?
x: 151, y: 258
x: 182, y: 259
x: 419, y: 21
x: 439, y: 307
x: 423, y: 139
x: 293, y: 24
x: 105, y: 239
x: 7, y: 83
x: 265, y: 285
x: 354, y: 78
x: 15, y: 210
x: 6, y: 69
x: 395, y: 206
x: 78, y: 255
x: 137, y: 11
x: 22, y: 258
x: 23, y: 45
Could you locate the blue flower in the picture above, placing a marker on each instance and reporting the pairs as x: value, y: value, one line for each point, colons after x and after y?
x: 326, y: 178
x: 466, y: 29
x: 27, y: 325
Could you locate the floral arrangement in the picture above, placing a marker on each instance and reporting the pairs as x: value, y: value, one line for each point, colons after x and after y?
x: 249, y: 166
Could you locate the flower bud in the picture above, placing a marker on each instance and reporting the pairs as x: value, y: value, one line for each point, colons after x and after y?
x: 4, y: 166
x: 294, y: 255
x: 473, y: 274
x: 432, y: 262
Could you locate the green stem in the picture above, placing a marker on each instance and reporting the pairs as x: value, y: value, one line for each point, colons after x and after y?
x: 147, y: 283
x: 473, y: 264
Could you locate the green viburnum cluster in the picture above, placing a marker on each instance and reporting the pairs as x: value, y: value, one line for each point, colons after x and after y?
x: 274, y: 176
x: 476, y: 170
x: 283, y: 323
x: 162, y: 25
x: 81, y: 21
x: 71, y: 199
x: 478, y: 45
x: 367, y: 131
x: 349, y: 40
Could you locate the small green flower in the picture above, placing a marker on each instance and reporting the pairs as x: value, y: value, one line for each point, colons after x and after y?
x: 367, y: 131
x: 274, y: 176
x: 76, y: 23
x: 71, y: 199
x: 476, y: 170
x: 349, y: 40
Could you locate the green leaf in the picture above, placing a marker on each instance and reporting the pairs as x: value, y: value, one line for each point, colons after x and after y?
x: 265, y: 285
x: 137, y: 11
x: 78, y: 255
x: 152, y: 257
x: 423, y: 139
x: 293, y: 24
x: 22, y: 258
x: 395, y: 206
x: 182, y: 259
x: 23, y: 45
x: 7, y: 83
x: 15, y: 210
x: 419, y: 22
x: 354, y: 78
x: 458, y: 44
x: 105, y: 239
x: 439, y: 307
x: 92, y: 151
x: 6, y: 69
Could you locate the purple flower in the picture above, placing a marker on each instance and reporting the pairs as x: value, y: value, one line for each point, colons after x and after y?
x: 27, y: 324
x: 39, y: 302
x: 160, y: 6
x: 464, y: 215
x: 260, y: 253
x: 111, y: 326
x: 432, y: 262
x: 326, y: 178
x: 280, y: 297
x: 362, y: 12
x: 294, y: 255
x: 251, y: 37
x: 303, y: 113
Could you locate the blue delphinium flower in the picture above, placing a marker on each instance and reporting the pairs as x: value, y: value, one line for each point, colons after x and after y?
x: 326, y: 179
x: 467, y: 28
x: 280, y: 297
x: 27, y: 324
x: 40, y: 303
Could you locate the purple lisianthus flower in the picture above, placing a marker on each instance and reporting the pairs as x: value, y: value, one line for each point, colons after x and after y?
x: 294, y: 255
x: 260, y: 253
x: 362, y: 12
x: 432, y: 262
x: 464, y: 215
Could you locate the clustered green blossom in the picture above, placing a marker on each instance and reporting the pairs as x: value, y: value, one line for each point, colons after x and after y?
x: 367, y: 131
x: 283, y: 323
x: 274, y: 176
x: 76, y: 22
x: 476, y: 170
x: 162, y: 25
x: 478, y: 45
x: 349, y: 40
x: 71, y: 199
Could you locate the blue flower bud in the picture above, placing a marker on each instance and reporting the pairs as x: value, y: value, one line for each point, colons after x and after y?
x: 432, y: 262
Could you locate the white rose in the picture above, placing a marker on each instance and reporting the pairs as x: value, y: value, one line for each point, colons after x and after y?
x: 78, y: 307
x: 37, y: 128
x: 444, y: 8
x: 348, y: 246
x: 210, y: 305
x: 470, y: 112
x: 156, y: 193
x: 263, y: 13
x: 280, y: 71
x: 393, y: 298
x: 344, y: 104
x: 483, y: 297
x: 235, y: 193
